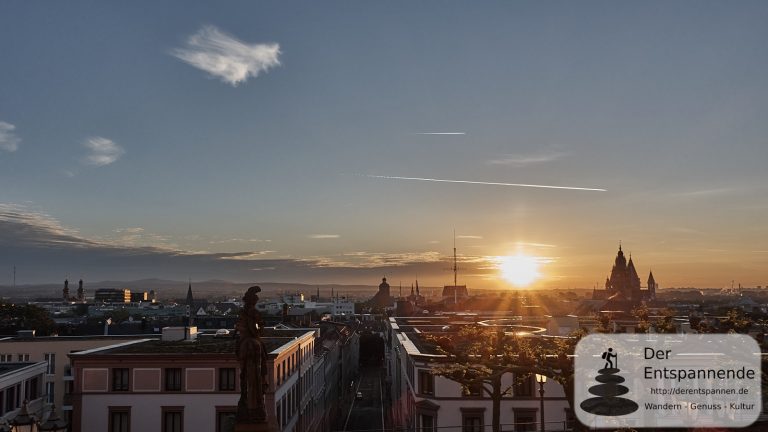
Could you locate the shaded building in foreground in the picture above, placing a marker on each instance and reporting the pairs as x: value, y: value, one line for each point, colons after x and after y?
x: 186, y: 382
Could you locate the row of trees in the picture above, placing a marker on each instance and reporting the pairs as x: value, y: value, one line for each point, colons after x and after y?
x: 477, y: 357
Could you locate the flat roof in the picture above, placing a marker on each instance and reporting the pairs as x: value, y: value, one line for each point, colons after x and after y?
x: 204, y: 345
x: 10, y: 367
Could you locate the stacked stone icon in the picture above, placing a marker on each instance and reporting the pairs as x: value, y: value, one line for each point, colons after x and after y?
x: 607, y: 401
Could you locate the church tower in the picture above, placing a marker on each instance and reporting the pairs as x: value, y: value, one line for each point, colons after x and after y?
x: 384, y: 288
x: 80, y: 291
x: 65, y: 291
x: 190, y: 305
x: 651, y: 286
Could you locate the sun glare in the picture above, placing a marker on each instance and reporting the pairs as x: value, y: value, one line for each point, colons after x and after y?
x: 520, y: 270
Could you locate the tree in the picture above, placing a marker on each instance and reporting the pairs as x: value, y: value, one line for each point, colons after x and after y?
x: 641, y: 313
x: 25, y: 317
x: 735, y: 322
x: 478, y: 357
x: 666, y: 323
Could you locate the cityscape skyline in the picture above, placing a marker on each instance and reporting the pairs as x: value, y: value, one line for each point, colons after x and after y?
x: 313, y: 144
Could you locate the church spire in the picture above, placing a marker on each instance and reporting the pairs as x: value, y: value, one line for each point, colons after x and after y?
x: 190, y: 299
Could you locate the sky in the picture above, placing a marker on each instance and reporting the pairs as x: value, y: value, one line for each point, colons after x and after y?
x: 339, y: 142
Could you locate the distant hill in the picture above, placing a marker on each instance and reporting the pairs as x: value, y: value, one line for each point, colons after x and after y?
x: 178, y: 289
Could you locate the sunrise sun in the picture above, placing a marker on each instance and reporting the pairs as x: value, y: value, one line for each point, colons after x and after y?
x: 520, y: 270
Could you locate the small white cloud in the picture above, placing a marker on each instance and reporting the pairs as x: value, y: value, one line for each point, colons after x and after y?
x: 9, y: 141
x: 525, y: 160
x: 103, y: 151
x: 226, y: 57
x: 469, y: 237
x: 324, y: 236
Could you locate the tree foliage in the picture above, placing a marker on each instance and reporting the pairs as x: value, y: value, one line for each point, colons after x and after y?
x: 478, y: 357
x: 735, y: 322
x: 25, y: 317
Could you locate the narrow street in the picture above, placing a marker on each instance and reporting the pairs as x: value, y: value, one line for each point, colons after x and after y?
x: 367, y: 413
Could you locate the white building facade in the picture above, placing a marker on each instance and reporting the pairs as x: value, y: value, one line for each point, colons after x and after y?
x: 421, y: 401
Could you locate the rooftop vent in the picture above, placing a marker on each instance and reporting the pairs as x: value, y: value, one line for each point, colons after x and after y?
x: 25, y: 334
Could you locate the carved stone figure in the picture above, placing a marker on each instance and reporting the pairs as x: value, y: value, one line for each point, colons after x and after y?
x: 253, y: 362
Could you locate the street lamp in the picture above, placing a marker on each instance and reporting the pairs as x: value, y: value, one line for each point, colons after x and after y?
x: 23, y: 422
x: 54, y: 423
x: 541, y: 379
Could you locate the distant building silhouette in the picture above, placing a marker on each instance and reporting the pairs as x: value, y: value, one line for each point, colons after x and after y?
x: 65, y: 291
x: 80, y: 292
x: 623, y: 284
x: 111, y: 295
x: 382, y: 297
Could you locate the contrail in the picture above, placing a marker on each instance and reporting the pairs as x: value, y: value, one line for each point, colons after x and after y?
x: 485, y: 183
x: 440, y: 133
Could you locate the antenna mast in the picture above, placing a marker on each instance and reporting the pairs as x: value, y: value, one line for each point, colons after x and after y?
x: 455, y: 269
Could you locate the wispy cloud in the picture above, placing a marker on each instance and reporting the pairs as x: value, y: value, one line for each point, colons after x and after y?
x: 485, y: 183
x: 252, y: 255
x: 9, y: 141
x: 469, y: 237
x: 103, y: 151
x: 362, y: 260
x: 440, y: 133
x: 704, y: 193
x: 324, y: 236
x: 239, y: 240
x: 226, y: 57
x: 529, y: 159
x: 541, y: 245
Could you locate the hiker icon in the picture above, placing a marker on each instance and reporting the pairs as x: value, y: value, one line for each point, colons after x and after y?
x: 609, y: 356
x: 608, y: 390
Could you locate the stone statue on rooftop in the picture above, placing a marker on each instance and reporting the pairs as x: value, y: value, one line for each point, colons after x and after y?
x: 250, y: 352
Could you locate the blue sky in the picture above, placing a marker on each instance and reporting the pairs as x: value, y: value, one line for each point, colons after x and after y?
x: 113, y: 136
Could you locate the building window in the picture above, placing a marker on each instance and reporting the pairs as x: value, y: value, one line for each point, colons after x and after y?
x: 473, y: 390
x: 427, y: 423
x: 225, y: 420
x: 525, y: 420
x: 6, y: 358
x: 23, y: 357
x: 10, y: 399
x: 120, y: 379
x: 50, y: 358
x: 33, y: 389
x: 523, y: 385
x: 472, y: 419
x: 173, y: 419
x: 227, y: 379
x: 173, y: 379
x: 119, y: 419
x: 426, y: 382
x: 50, y: 392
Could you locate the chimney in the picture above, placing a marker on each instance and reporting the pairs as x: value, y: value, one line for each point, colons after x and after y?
x: 285, y: 312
